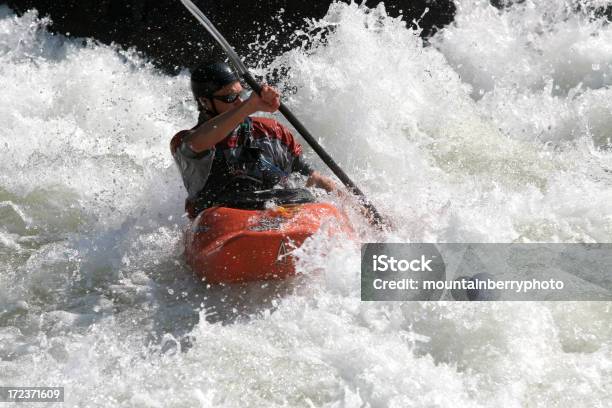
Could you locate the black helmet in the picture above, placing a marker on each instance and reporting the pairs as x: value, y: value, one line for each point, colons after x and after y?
x: 206, y: 79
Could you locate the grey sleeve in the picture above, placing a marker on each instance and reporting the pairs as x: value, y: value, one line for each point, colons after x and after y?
x: 301, y: 166
x: 194, y: 168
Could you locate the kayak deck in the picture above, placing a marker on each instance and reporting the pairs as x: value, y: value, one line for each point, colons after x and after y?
x: 228, y: 245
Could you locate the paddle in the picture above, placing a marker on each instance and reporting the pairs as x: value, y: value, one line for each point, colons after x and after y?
x: 244, y: 72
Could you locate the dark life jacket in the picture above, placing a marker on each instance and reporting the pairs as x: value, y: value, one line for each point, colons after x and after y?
x: 258, y: 155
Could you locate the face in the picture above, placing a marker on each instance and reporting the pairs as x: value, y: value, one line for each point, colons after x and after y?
x: 220, y: 106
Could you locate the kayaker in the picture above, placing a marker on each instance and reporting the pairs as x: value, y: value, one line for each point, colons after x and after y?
x: 230, y: 151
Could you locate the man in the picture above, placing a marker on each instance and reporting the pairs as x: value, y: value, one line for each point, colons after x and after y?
x: 229, y: 151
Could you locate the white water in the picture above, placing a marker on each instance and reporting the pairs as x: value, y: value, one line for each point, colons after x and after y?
x: 498, y: 132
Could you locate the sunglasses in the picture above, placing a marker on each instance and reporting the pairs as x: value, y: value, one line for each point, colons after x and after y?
x: 231, y: 98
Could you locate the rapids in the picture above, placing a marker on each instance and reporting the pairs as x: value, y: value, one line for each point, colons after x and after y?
x: 498, y: 130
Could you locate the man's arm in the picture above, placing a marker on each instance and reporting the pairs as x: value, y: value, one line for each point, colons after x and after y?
x: 211, y: 132
x: 300, y: 165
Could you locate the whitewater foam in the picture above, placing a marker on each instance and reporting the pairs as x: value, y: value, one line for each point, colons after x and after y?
x: 488, y: 134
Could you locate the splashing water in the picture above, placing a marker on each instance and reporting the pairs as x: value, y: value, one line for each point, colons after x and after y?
x: 498, y: 131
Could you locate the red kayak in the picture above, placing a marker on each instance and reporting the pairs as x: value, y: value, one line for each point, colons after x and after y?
x: 228, y: 245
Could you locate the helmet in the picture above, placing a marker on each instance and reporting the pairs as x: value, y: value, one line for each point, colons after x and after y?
x: 206, y: 79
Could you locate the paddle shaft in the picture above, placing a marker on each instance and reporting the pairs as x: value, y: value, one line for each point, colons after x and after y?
x: 244, y: 72
x: 327, y: 159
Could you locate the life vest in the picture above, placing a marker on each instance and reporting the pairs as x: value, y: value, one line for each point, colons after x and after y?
x: 257, y: 155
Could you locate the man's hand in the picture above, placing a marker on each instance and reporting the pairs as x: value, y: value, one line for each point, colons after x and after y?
x: 267, y: 101
x: 318, y: 180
